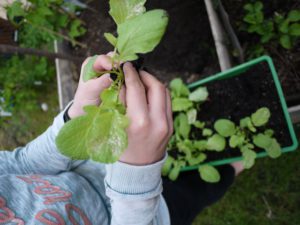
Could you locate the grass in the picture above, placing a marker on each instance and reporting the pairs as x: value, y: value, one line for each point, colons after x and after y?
x: 268, y: 194
x: 27, y: 124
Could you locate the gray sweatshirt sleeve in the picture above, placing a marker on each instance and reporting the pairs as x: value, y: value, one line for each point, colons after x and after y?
x: 39, y: 156
x: 135, y: 194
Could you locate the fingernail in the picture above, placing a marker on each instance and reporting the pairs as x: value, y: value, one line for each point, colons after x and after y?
x: 113, y: 76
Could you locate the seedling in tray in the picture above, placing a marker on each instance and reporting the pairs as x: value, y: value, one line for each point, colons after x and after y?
x: 185, y: 149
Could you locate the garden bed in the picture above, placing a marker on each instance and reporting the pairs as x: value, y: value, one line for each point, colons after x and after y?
x: 287, y: 61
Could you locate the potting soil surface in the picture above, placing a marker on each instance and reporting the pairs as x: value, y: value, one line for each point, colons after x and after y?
x: 187, y: 50
x: 239, y: 97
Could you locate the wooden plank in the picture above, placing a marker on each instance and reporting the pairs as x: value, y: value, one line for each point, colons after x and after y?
x: 66, y: 71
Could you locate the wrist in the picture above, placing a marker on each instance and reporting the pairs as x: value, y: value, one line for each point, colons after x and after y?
x: 74, y: 111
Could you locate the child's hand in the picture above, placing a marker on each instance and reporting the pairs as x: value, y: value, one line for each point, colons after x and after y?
x: 149, y: 110
x: 88, y: 92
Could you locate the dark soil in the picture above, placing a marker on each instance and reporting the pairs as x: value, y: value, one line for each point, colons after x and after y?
x: 187, y: 49
x: 238, y: 97
x: 287, y: 62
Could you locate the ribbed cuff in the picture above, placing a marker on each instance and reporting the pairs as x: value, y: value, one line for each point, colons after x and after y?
x: 128, y: 180
x: 59, y: 121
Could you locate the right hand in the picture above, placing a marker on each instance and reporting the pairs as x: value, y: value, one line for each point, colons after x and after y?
x: 148, y: 104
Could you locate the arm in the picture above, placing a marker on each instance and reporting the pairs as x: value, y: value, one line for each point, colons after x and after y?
x: 41, y: 156
x: 134, y: 184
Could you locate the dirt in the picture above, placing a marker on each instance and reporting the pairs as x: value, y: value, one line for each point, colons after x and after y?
x: 240, y: 96
x: 187, y: 49
x: 287, y: 62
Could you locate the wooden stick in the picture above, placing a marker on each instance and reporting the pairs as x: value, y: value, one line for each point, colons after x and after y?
x: 10, y: 49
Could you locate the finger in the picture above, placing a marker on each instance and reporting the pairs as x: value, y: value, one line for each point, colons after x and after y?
x: 102, y: 63
x: 90, y: 90
x: 122, y: 95
x: 156, y: 95
x: 135, y: 93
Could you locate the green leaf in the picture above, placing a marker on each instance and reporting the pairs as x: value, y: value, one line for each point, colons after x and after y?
x: 262, y: 141
x: 200, y: 145
x: 261, y: 117
x: 88, y: 69
x: 111, y: 39
x: 236, y: 140
x: 197, y: 160
x: 185, y: 146
x: 246, y: 122
x: 174, y: 173
x: 167, y: 165
x: 192, y: 116
x: 294, y: 29
x: 99, y: 134
x: 122, y: 10
x: 181, y: 104
x: 269, y: 132
x: 294, y: 15
x: 182, y: 125
x: 110, y: 96
x: 71, y: 139
x: 198, y: 124
x: 15, y: 10
x: 216, y: 143
x: 274, y: 150
x: 284, y: 26
x: 107, y: 138
x: 199, y: 95
x: 258, y: 6
x: 141, y: 34
x: 209, y: 174
x: 285, y: 41
x: 76, y: 29
x: 178, y: 88
x: 249, y: 7
x: 249, y: 157
x: 224, y: 127
x: 251, y: 19
x: 207, y: 132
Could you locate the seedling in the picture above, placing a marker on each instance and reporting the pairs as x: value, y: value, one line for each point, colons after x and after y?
x: 283, y: 29
x: 100, y: 133
x: 187, y: 149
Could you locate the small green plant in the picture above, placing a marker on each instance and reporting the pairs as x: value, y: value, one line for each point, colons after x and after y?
x: 40, y: 22
x: 19, y: 76
x: 187, y: 149
x: 281, y: 29
x: 102, y: 136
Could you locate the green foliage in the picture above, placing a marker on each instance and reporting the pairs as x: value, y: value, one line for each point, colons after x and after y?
x: 216, y: 143
x: 99, y: 134
x: 225, y: 127
x: 40, y: 22
x: 261, y: 117
x: 209, y: 173
x: 192, y: 139
x: 18, y: 76
x: 102, y: 135
x: 279, y: 29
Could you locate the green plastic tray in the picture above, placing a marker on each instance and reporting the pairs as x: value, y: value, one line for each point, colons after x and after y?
x: 236, y: 71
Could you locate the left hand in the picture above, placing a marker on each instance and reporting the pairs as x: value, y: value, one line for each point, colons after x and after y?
x: 88, y: 92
